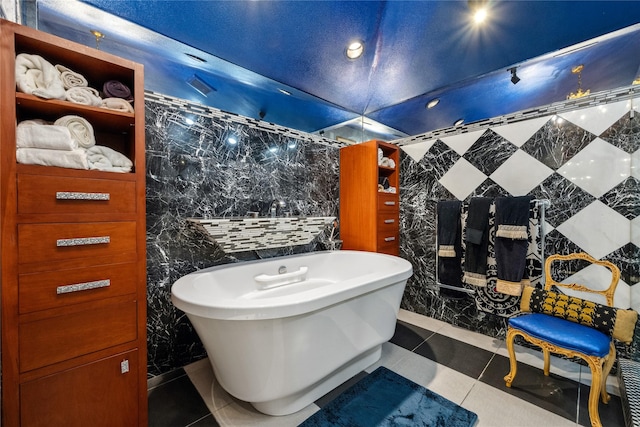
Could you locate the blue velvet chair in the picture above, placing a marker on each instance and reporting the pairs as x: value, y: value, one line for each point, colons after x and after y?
x: 555, y: 334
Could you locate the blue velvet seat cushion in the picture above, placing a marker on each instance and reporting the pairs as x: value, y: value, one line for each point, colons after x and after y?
x: 563, y: 333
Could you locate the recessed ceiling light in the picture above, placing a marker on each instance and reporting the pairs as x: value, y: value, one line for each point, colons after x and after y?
x: 284, y: 92
x: 480, y: 15
x: 433, y: 102
x: 232, y: 140
x: 355, y: 50
x: 458, y: 122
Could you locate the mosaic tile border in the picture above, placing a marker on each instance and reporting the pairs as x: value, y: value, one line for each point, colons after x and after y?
x: 245, y: 234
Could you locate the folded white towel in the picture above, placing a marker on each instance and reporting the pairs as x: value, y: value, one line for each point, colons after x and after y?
x: 84, y: 95
x: 70, y: 78
x: 106, y: 159
x: 75, y: 159
x: 36, y: 76
x: 38, y: 134
x: 117, y: 104
x: 81, y: 130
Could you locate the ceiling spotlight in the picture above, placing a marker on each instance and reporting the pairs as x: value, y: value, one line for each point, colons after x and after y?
x: 458, y: 122
x: 98, y: 35
x: 514, y: 78
x: 355, y: 50
x: 433, y: 102
x: 479, y: 10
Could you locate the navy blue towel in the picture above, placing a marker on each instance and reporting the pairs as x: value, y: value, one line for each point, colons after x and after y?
x: 477, y: 241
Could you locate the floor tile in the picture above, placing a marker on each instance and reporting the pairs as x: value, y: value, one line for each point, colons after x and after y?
x: 498, y: 409
x: 553, y: 393
x: 409, y: 336
x: 327, y: 398
x: 175, y: 403
x: 474, y: 338
x: 202, y: 377
x: 421, y: 321
x: 464, y: 358
x: 207, y: 421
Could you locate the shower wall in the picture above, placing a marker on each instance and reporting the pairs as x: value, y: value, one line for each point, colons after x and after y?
x: 193, y: 171
x: 585, y: 161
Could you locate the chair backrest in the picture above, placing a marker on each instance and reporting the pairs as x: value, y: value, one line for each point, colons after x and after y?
x: 607, y: 293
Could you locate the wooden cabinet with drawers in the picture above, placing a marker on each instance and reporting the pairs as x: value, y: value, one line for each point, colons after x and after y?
x: 73, y: 273
x: 369, y: 197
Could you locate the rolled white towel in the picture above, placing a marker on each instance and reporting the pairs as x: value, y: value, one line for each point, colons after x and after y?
x: 117, y: 104
x: 70, y: 78
x: 391, y: 163
x: 39, y: 134
x: 84, y: 95
x: 74, y: 159
x: 106, y: 159
x: 81, y: 130
x: 36, y: 76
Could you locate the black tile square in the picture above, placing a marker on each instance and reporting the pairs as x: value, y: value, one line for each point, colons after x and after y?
x: 175, y: 403
x: 409, y: 336
x: 465, y: 358
x: 553, y: 393
x: 208, y: 421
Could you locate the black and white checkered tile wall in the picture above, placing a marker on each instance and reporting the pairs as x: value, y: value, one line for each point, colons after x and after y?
x: 585, y: 161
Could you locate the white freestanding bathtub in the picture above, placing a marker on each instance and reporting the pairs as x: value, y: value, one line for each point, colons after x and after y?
x: 282, y: 332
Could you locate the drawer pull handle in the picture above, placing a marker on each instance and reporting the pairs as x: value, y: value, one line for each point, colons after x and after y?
x: 389, y: 221
x: 389, y: 239
x: 83, y: 241
x: 388, y: 203
x: 77, y: 287
x: 75, y: 195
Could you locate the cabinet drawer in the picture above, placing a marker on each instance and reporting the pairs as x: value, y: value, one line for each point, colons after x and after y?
x: 96, y: 394
x: 49, y: 340
x: 40, y: 291
x: 63, y: 241
x: 388, y: 202
x: 388, y: 223
x: 57, y: 194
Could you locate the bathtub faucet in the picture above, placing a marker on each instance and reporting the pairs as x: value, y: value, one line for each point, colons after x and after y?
x: 273, y: 209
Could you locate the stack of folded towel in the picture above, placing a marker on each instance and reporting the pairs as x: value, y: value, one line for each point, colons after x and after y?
x: 36, y: 76
x: 69, y: 142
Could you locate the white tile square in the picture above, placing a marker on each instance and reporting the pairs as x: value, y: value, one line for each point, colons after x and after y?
x: 462, y: 142
x: 597, y: 229
x: 635, y: 164
x: 599, y: 118
x: 421, y: 321
x: 462, y: 179
x: 418, y: 150
x: 597, y: 168
x: 520, y: 174
x: 520, y: 132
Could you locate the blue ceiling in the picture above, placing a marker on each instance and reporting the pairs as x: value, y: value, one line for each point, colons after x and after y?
x: 414, y: 51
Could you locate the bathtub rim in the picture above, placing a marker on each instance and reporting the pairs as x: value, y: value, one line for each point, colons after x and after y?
x: 190, y: 304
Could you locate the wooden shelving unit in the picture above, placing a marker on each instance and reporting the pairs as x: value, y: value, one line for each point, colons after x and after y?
x: 73, y: 276
x: 369, y: 214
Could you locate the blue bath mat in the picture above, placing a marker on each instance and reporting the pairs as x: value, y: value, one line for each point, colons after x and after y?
x: 385, y: 398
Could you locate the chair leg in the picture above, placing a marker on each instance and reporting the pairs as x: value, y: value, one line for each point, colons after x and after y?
x: 511, y: 334
x: 547, y: 361
x: 597, y: 385
x: 608, y: 364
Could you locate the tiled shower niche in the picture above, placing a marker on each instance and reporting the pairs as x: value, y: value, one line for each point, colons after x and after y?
x: 194, y: 171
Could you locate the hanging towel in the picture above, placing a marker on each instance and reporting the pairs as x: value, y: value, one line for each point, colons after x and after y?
x: 449, y: 247
x: 81, y: 130
x: 117, y: 104
x: 512, y: 217
x: 40, y: 134
x: 107, y: 159
x: 477, y: 242
x: 84, y: 96
x: 71, y: 78
x: 448, y: 227
x: 74, y: 159
x: 511, y: 261
x: 116, y: 89
x: 36, y: 76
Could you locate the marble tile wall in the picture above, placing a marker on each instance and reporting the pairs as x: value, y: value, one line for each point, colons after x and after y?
x: 585, y: 161
x: 193, y: 171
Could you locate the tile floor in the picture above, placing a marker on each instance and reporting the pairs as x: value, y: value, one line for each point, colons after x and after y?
x: 465, y: 367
